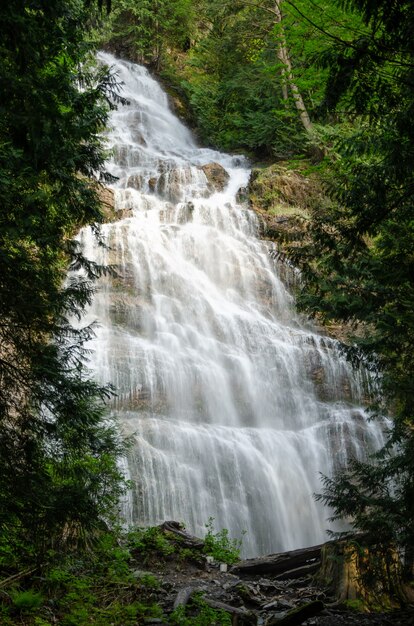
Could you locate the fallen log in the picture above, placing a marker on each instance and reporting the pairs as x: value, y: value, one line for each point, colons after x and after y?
x: 297, y: 616
x: 187, y: 540
x: 279, y: 563
x: 234, y: 610
x: 183, y: 596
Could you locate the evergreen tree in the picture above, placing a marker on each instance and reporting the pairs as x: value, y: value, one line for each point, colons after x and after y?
x: 144, y: 31
x: 232, y: 80
x: 359, y: 264
x: 58, y: 456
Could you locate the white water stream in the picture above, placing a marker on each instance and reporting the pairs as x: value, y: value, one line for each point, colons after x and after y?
x: 234, y: 404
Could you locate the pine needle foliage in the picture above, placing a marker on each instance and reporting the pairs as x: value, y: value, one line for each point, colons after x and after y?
x: 58, y: 455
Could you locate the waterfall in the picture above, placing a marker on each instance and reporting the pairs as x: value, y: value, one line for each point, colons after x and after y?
x: 234, y: 403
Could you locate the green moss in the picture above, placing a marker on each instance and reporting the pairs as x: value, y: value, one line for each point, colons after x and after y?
x: 285, y: 189
x: 355, y: 605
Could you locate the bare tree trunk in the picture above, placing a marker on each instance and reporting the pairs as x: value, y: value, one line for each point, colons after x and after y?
x: 281, y: 57
x: 287, y: 73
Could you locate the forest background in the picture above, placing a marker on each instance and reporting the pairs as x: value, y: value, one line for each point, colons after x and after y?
x: 323, y: 87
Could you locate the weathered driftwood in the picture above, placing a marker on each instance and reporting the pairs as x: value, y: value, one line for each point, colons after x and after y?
x: 297, y: 616
x: 187, y: 540
x: 280, y: 563
x: 300, y: 572
x: 183, y: 596
x: 234, y: 610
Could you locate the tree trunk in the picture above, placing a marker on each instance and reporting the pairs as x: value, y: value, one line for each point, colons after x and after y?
x: 287, y: 72
x: 233, y: 610
x: 183, y: 596
x: 367, y: 578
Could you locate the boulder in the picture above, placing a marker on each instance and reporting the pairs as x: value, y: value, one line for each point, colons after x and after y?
x: 216, y: 175
x: 242, y: 195
x: 135, y: 181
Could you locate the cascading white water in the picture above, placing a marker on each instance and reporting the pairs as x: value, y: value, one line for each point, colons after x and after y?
x: 234, y: 404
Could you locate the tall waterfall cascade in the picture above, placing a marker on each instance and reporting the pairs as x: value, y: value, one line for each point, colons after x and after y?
x: 234, y: 404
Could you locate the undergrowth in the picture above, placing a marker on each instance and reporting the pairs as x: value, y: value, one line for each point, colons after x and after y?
x: 220, y: 546
x: 107, y: 583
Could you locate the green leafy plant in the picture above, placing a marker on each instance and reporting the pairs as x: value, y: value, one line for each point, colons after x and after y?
x: 203, y: 615
x: 187, y: 554
x: 150, y: 581
x: 27, y: 601
x: 150, y: 539
x: 220, y: 545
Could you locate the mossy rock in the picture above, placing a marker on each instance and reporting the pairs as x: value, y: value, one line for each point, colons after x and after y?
x: 280, y: 190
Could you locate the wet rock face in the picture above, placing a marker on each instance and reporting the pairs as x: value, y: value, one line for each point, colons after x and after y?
x: 107, y: 197
x: 216, y: 175
x: 242, y: 195
x: 109, y: 211
x: 136, y: 182
x: 284, y: 200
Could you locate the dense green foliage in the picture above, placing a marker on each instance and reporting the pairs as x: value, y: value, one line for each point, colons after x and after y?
x: 231, y: 82
x: 58, y: 474
x: 97, y: 587
x: 145, y: 30
x: 363, y: 248
x: 222, y: 58
x: 108, y: 585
